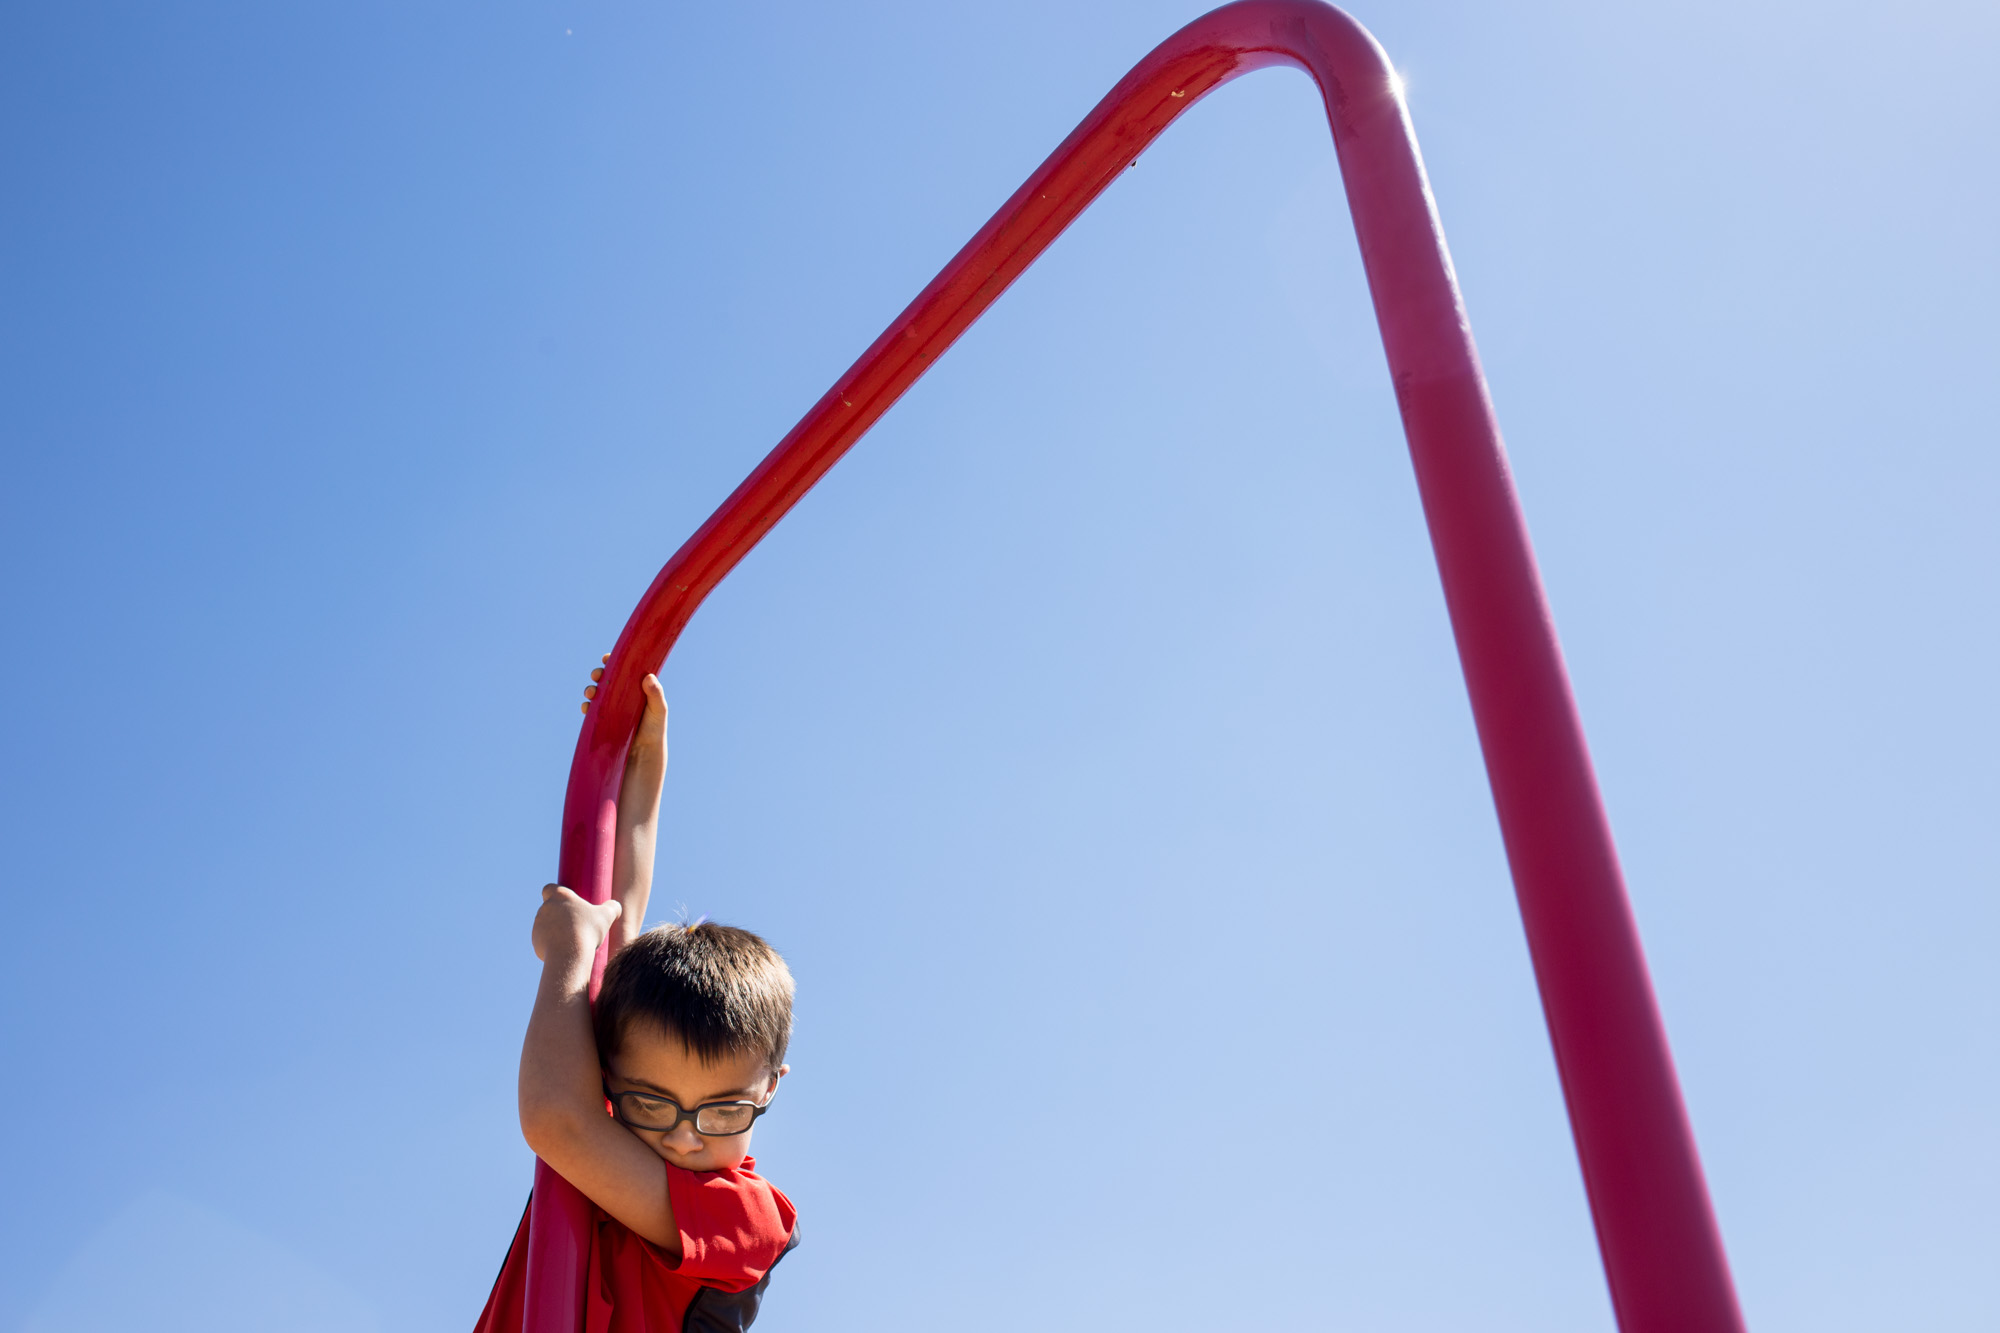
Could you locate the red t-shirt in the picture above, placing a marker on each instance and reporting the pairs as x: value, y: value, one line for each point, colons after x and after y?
x: 734, y: 1225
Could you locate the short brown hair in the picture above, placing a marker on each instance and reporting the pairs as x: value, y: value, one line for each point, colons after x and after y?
x: 721, y: 990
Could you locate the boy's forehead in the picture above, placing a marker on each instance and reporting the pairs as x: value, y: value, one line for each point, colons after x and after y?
x: 650, y: 1054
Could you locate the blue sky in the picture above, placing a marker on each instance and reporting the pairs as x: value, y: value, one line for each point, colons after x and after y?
x: 1090, y: 741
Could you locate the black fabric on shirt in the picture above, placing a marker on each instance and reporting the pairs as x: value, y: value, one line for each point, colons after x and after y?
x: 715, y: 1311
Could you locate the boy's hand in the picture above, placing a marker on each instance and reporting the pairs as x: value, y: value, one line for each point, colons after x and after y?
x: 567, y: 925
x: 652, y: 733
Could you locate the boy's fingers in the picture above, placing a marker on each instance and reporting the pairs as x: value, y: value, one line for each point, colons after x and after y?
x: 549, y: 891
x: 586, y: 707
x: 590, y: 691
x: 606, y: 659
x: 597, y: 673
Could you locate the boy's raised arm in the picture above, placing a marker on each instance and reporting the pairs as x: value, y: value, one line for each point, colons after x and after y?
x: 639, y: 817
x: 638, y: 811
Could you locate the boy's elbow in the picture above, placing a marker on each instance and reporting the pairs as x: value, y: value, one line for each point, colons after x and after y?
x: 534, y: 1125
x: 548, y: 1126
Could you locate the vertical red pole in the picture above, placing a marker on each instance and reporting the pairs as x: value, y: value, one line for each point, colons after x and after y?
x: 1662, y: 1252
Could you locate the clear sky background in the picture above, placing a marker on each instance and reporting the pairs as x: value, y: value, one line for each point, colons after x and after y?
x: 1091, y: 740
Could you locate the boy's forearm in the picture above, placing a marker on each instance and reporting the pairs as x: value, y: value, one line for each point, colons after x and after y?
x: 637, y: 840
x: 559, y: 1071
x: 639, y: 816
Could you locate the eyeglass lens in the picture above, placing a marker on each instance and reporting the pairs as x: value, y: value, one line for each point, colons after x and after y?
x: 643, y: 1112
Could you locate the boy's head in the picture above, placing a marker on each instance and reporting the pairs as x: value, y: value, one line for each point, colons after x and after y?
x: 693, y: 1015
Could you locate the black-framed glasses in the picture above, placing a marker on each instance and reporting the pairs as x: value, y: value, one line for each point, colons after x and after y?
x: 716, y: 1120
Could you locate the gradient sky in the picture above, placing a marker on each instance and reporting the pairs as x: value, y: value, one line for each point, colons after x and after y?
x: 1090, y: 741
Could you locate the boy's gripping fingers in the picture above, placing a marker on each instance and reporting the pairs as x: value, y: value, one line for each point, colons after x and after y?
x: 653, y: 723
x: 567, y: 922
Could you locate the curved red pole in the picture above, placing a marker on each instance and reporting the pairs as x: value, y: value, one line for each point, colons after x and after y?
x: 1662, y: 1253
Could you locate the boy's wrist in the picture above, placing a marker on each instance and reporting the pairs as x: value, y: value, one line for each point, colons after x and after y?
x: 644, y: 761
x: 572, y: 945
x: 566, y: 968
x: 583, y: 936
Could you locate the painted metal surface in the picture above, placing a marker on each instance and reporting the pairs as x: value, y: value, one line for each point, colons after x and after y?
x: 1662, y: 1252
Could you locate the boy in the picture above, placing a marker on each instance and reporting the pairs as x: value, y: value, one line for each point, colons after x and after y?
x: 685, y: 1048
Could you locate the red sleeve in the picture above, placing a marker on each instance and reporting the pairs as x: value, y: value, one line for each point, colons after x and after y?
x: 734, y: 1224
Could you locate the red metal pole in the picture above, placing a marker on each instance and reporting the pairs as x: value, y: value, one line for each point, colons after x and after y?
x: 1662, y: 1253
